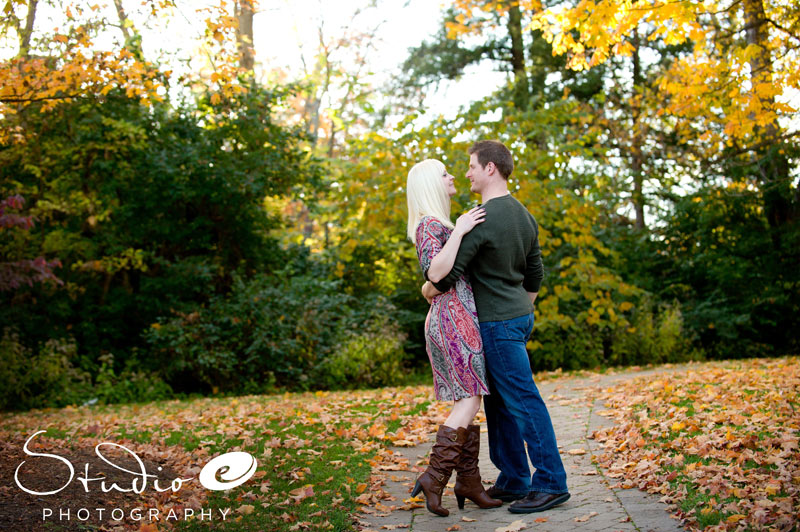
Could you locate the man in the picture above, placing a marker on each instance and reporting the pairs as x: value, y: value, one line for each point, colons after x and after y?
x: 504, y: 264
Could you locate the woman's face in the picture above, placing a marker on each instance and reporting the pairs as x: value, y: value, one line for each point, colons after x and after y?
x: 449, y: 183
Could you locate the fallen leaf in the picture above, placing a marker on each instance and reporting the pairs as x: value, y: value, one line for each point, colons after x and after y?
x: 516, y: 526
x: 678, y: 426
x: 245, y: 509
x: 576, y: 452
x: 584, y: 518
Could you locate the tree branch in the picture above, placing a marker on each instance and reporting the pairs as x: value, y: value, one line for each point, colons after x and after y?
x: 20, y: 99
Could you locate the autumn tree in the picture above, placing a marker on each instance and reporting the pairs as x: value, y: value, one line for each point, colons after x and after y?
x: 69, y: 68
x: 725, y: 94
x: 727, y: 91
x: 151, y: 206
x: 594, y: 143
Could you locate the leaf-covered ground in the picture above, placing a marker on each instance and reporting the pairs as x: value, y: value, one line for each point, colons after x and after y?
x: 315, y: 452
x: 720, y: 442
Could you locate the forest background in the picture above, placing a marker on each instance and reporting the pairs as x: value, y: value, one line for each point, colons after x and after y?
x: 228, y: 226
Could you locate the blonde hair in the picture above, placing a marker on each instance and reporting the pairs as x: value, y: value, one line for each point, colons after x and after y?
x: 427, y: 195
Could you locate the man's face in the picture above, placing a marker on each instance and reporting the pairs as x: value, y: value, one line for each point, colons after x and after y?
x: 477, y: 175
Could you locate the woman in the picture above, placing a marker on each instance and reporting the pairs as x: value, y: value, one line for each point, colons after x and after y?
x: 452, y: 337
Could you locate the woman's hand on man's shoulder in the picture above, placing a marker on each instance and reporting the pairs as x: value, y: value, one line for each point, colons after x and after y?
x: 467, y: 221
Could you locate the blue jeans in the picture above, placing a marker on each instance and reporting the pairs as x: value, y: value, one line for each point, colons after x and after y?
x: 516, y: 413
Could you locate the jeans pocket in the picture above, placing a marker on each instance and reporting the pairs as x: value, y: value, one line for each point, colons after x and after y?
x: 518, y: 329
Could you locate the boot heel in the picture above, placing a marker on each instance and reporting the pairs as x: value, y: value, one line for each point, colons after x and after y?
x: 417, y: 489
x: 460, y: 499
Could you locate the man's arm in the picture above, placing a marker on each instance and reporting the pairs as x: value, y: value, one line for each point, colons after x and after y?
x: 442, y: 263
x: 470, y: 244
x: 534, y: 269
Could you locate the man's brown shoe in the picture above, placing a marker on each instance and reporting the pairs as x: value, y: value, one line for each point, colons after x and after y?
x: 536, y: 501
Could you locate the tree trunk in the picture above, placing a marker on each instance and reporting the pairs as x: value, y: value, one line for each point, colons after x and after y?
x: 311, y: 111
x: 133, y: 40
x: 773, y: 166
x: 521, y: 92
x: 637, y: 158
x: 244, y: 34
x: 26, y: 32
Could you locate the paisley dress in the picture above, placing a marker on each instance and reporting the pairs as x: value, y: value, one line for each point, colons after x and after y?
x: 452, y: 332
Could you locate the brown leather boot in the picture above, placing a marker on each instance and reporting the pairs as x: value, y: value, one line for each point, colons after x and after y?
x: 468, y: 479
x: 442, y: 462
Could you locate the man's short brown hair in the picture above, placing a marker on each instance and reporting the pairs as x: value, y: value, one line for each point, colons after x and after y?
x: 493, y: 151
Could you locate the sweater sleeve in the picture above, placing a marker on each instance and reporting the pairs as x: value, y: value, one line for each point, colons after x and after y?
x: 470, y: 245
x: 534, y: 269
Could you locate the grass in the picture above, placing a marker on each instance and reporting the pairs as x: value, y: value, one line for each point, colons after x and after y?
x: 314, y: 450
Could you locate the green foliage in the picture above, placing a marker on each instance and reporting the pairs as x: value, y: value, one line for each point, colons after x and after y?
x: 292, y: 332
x: 372, y: 356
x: 656, y: 336
x: 149, y: 209
x: 129, y: 385
x: 443, y: 58
x: 49, y: 377
x: 44, y: 378
x: 738, y: 290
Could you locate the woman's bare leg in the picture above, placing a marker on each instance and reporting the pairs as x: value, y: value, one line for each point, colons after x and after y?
x: 463, y: 412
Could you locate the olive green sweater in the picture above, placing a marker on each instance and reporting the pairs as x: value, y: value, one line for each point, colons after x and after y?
x: 503, y: 261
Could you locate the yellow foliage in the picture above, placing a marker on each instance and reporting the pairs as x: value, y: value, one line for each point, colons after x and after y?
x: 74, y: 65
x: 696, y: 86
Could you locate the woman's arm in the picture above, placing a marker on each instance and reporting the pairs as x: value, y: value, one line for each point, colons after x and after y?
x: 429, y: 292
x: 442, y: 263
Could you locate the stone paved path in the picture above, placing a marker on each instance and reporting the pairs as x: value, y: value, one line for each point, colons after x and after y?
x: 574, y: 419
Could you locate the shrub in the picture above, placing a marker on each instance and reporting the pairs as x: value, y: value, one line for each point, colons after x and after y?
x: 46, y: 378
x: 49, y: 378
x: 370, y: 357
x: 274, y: 331
x: 655, y: 336
x: 567, y: 349
x: 130, y: 385
x: 649, y: 335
